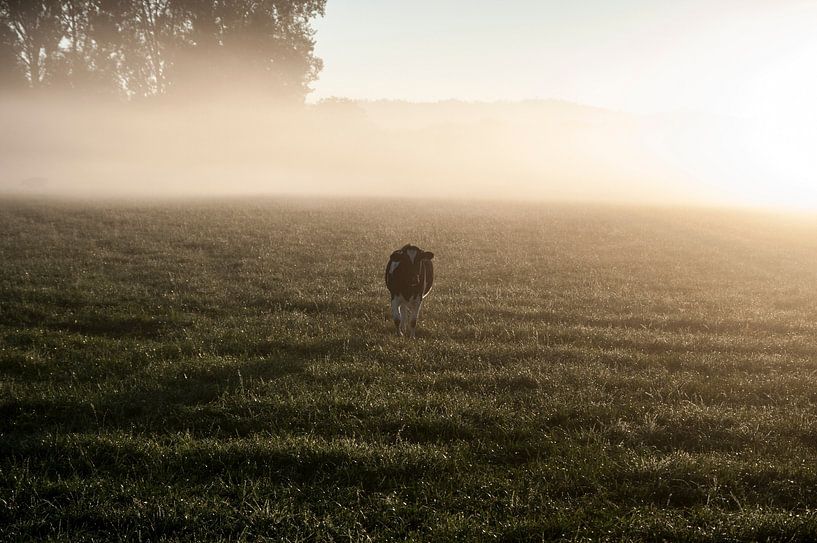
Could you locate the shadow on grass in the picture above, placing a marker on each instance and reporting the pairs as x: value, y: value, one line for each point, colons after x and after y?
x: 339, y: 463
x: 116, y: 326
x: 158, y: 405
x: 177, y: 399
x: 236, y: 346
x: 675, y: 325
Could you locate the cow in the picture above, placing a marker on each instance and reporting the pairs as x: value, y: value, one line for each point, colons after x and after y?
x: 409, y: 277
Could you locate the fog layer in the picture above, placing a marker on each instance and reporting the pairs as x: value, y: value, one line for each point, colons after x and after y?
x: 538, y: 150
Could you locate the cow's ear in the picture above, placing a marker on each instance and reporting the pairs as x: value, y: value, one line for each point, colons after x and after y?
x: 428, y: 255
x: 396, y: 255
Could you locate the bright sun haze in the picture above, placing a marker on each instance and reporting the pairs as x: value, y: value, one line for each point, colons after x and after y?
x: 747, y: 61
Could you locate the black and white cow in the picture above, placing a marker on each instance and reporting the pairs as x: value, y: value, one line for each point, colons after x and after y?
x: 409, y: 277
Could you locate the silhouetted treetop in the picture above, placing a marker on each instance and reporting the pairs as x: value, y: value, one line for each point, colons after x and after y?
x: 153, y: 47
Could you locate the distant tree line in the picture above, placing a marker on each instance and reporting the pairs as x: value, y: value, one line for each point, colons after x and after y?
x: 138, y: 48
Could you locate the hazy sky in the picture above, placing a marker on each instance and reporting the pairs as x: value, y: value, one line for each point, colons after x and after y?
x: 737, y: 57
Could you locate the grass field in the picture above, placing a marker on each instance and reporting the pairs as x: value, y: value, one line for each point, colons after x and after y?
x: 224, y: 370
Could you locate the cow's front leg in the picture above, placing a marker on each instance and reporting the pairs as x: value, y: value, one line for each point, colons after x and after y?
x: 414, y: 315
x: 405, y: 315
x: 396, y: 302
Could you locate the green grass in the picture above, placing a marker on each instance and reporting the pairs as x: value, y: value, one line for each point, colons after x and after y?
x: 224, y: 370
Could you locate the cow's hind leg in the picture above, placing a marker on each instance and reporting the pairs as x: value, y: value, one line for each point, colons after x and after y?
x: 395, y: 314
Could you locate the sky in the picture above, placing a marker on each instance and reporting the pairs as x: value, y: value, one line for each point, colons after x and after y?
x: 745, y: 58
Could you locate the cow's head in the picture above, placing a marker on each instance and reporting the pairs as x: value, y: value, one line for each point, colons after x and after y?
x: 409, y: 261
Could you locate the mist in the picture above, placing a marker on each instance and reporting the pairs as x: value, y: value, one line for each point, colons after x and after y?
x: 246, y: 144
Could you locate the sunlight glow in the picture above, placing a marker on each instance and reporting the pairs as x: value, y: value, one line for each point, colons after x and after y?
x: 725, y: 91
x: 782, y: 103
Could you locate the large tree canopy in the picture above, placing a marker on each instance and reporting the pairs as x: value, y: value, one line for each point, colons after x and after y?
x: 154, y: 47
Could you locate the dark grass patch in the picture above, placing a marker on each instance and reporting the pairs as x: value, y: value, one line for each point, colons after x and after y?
x: 115, y: 326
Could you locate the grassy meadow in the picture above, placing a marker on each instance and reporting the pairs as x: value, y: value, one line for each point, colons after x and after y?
x: 224, y: 370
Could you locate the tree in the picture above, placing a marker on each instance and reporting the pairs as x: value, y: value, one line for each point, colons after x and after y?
x: 135, y: 36
x: 35, y: 35
x: 156, y: 47
x: 74, y: 66
x: 267, y: 45
x: 11, y: 75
